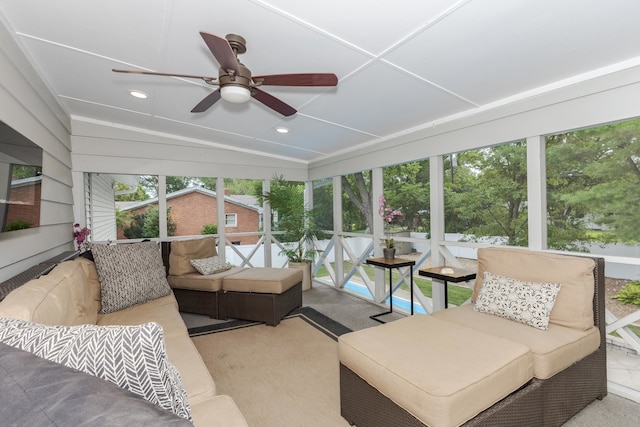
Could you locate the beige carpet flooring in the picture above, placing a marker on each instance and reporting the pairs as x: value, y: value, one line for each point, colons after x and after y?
x: 278, y: 376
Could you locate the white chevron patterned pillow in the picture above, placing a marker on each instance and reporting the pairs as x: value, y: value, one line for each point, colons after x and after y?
x: 132, y: 357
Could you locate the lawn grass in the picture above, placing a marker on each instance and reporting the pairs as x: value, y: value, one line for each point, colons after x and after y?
x: 457, y: 294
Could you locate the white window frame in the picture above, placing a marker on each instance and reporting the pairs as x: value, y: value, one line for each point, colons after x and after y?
x: 228, y: 223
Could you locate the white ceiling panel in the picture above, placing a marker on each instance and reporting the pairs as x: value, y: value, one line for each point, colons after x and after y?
x: 512, y: 47
x: 400, y: 65
x: 372, y: 25
x: 382, y: 100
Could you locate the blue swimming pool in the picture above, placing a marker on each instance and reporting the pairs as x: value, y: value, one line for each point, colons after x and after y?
x: 397, y: 301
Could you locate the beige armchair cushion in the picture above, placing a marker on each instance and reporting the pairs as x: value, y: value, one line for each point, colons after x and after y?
x: 183, y: 251
x: 442, y: 373
x: 553, y: 350
x: 574, y: 304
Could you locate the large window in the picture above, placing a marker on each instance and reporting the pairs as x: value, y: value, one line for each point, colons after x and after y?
x: 593, y: 181
x: 357, y: 208
x: 486, y: 195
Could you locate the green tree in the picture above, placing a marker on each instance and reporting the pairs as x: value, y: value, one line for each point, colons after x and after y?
x: 489, y: 197
x: 612, y: 170
x: 147, y: 225
x: 173, y: 183
x: 406, y: 187
x: 357, y: 212
x: 25, y: 171
x: 134, y: 230
x: 127, y: 196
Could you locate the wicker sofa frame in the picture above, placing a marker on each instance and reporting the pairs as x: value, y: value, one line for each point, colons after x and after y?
x: 260, y: 307
x: 549, y: 402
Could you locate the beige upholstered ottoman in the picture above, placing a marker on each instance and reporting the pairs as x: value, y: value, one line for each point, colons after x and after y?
x: 262, y: 294
x: 443, y: 384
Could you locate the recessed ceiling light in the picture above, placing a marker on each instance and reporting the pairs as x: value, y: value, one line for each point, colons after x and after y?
x: 282, y: 130
x: 138, y: 94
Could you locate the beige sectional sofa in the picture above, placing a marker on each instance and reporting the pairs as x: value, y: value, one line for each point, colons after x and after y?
x: 71, y: 295
x: 479, y: 364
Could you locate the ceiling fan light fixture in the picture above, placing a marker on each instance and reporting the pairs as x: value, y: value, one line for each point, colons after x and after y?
x: 235, y: 94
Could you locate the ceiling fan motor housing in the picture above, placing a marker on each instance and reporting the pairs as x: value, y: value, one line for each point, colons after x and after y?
x: 242, y: 79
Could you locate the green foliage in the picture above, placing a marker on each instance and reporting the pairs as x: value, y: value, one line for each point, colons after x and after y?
x: 323, y: 204
x: 17, y: 225
x: 607, y: 164
x: 357, y: 205
x: 209, y: 229
x: 146, y: 225
x: 24, y: 171
x: 486, y: 193
x: 629, y: 294
x: 406, y: 187
x: 138, y: 195
x: 294, y: 219
x: 135, y: 228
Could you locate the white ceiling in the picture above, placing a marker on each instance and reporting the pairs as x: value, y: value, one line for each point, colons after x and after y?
x: 401, y: 64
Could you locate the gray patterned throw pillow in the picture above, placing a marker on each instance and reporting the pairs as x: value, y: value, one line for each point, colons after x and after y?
x: 211, y: 265
x: 525, y: 302
x: 132, y: 357
x: 129, y: 274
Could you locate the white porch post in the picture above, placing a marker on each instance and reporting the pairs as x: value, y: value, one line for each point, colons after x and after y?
x: 222, y: 238
x: 337, y: 231
x: 162, y: 206
x: 377, y: 190
x: 266, y: 224
x: 436, y: 178
x: 537, y: 192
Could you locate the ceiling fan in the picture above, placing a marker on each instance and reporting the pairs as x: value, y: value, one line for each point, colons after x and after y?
x: 236, y: 84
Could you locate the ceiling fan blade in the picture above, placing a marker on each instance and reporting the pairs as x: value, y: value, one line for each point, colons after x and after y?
x: 207, y: 102
x: 221, y: 50
x: 207, y: 79
x: 273, y: 102
x: 308, y: 79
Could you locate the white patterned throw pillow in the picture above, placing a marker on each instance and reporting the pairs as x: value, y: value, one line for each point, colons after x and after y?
x: 130, y: 274
x: 211, y: 265
x: 525, y: 302
x: 132, y: 357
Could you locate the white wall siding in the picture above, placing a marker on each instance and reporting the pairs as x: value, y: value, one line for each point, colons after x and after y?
x: 102, y: 217
x: 28, y: 107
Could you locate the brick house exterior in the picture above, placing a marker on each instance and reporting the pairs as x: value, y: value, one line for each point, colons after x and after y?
x: 24, y: 201
x: 192, y: 208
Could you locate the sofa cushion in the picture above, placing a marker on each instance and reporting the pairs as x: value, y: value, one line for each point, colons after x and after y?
x: 39, y: 392
x: 553, y: 350
x: 183, y: 251
x: 525, y: 302
x: 442, y: 373
x: 198, y: 282
x: 196, y: 377
x: 65, y: 296
x: 211, y: 265
x: 132, y: 357
x: 162, y: 310
x: 263, y: 280
x: 574, y: 304
x: 130, y: 274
